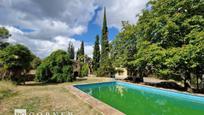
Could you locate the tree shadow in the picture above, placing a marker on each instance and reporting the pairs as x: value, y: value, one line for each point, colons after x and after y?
x: 167, y: 85
x: 32, y: 83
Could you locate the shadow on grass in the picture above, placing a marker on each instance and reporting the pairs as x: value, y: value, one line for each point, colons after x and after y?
x: 34, y: 83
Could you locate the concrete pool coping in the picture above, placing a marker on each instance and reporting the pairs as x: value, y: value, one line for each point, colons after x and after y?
x: 107, y: 109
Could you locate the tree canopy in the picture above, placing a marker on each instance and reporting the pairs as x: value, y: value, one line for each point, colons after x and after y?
x: 166, y: 41
x: 15, y: 60
x: 80, y: 53
x: 55, y: 68
x: 4, y: 34
x: 70, y: 50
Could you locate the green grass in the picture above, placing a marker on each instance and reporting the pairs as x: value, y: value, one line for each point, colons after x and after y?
x: 6, y: 89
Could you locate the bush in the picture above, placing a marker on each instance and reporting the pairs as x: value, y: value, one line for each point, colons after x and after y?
x: 84, y: 70
x: 106, y: 72
x: 15, y: 60
x: 55, y: 68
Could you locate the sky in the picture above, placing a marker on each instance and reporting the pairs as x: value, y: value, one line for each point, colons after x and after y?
x: 47, y: 25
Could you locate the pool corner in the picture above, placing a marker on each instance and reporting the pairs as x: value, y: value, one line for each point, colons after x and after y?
x: 93, y: 102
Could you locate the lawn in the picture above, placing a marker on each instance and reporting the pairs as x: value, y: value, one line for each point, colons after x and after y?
x: 36, y: 97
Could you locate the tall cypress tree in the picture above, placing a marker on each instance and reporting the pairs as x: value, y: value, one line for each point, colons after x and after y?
x: 82, y: 48
x: 96, y: 54
x: 70, y: 50
x: 104, y: 41
x: 77, y: 54
x: 106, y: 68
x: 81, y: 52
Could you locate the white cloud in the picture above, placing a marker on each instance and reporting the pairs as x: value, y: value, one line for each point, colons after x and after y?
x: 120, y: 10
x: 43, y: 48
x: 55, y: 21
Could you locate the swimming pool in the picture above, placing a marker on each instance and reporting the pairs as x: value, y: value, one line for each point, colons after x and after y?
x: 134, y: 99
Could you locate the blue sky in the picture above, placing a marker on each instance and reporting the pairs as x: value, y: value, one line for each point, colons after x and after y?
x: 26, y: 30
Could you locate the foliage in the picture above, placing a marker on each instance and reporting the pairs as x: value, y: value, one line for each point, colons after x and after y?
x: 104, y: 42
x: 167, y: 41
x: 169, y: 22
x: 3, y: 45
x: 82, y: 48
x: 4, y: 33
x: 80, y: 53
x: 35, y: 62
x: 84, y: 70
x: 70, y: 50
x: 106, y: 70
x: 105, y: 61
x: 96, y: 54
x: 55, y: 68
x: 123, y: 46
x: 15, y: 60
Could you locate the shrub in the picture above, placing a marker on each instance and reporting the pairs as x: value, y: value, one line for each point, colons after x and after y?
x: 15, y: 60
x: 55, y: 68
x: 105, y: 72
x: 84, y: 70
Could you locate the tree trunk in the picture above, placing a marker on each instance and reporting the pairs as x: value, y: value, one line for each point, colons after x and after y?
x: 197, y: 82
x: 186, y: 77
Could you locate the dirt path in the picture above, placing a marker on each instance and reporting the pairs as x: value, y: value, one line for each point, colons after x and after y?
x: 152, y: 80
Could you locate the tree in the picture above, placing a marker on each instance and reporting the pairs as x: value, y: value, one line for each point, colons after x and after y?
x: 70, y: 50
x: 174, y: 26
x: 4, y: 34
x: 84, y: 70
x: 104, y: 42
x: 96, y: 55
x: 123, y: 47
x: 169, y: 22
x: 166, y: 41
x: 105, y: 61
x: 80, y: 53
x: 82, y: 48
x: 55, y: 68
x: 16, y: 60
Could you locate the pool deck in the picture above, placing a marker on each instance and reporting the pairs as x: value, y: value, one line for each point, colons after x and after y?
x: 101, y: 107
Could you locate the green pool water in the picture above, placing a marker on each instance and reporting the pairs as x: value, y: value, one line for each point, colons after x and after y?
x: 138, y: 100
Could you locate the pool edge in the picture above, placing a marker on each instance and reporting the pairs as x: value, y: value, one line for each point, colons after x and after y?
x: 98, y: 105
x: 166, y: 89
